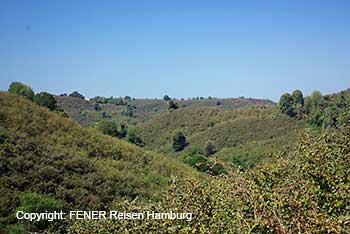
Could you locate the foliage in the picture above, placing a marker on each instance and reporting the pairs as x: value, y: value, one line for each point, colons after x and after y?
x: 211, y: 204
x: 129, y: 111
x: 38, y: 203
x: 320, y: 111
x: 179, y: 141
x: 172, y: 105
x: 134, y: 139
x: 166, y: 98
x: 108, y: 127
x: 116, y: 101
x: 286, y: 104
x: 307, y: 192
x: 21, y: 89
x: 76, y: 94
x: 253, y: 133
x: 46, y: 100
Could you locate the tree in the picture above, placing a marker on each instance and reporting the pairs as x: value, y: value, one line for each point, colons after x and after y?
x: 21, y: 89
x: 108, y: 127
x: 76, y: 94
x: 179, y: 141
x: 286, y: 104
x: 46, y: 100
x: 210, y: 148
x: 298, y: 98
x: 298, y: 103
x: 99, y: 99
x: 134, y: 139
x: 129, y: 111
x: 123, y: 130
x: 172, y: 105
x: 166, y: 98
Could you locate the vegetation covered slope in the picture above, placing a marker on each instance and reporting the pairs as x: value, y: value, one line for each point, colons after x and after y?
x: 243, y: 136
x: 136, y: 111
x: 48, y: 154
x: 308, y: 191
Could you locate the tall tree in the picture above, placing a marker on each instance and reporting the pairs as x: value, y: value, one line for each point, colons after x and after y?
x: 298, y: 98
x: 286, y: 104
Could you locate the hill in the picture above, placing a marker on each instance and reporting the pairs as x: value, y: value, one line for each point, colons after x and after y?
x: 87, y: 113
x: 47, y: 154
x: 245, y: 136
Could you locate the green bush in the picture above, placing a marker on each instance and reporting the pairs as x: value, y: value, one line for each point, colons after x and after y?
x: 107, y: 127
x: 76, y: 94
x: 46, y: 100
x: 38, y: 203
x: 179, y: 141
x: 21, y: 89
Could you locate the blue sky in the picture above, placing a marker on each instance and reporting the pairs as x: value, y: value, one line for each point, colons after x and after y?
x: 181, y: 48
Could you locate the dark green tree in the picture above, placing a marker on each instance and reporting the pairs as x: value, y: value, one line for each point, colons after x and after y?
x: 134, y: 139
x: 123, y: 130
x: 298, y: 103
x: 21, y: 89
x: 172, y: 105
x: 286, y: 104
x: 179, y: 141
x: 166, y: 98
x: 46, y: 100
x: 298, y: 98
x: 129, y: 111
x: 76, y: 94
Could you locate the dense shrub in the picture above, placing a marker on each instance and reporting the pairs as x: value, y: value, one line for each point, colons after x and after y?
x: 21, y: 89
x: 76, y: 94
x: 172, y: 105
x: 108, y: 127
x: 46, y: 100
x: 37, y: 203
x: 179, y: 141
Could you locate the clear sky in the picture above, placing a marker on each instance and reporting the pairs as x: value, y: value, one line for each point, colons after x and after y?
x: 181, y: 48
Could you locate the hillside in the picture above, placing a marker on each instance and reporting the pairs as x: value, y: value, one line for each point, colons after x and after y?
x: 87, y: 113
x: 245, y: 136
x: 44, y: 153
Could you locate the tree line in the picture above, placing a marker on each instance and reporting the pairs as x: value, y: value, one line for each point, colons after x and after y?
x: 320, y: 111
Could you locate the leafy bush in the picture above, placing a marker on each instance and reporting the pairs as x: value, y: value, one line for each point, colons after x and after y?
x: 134, y: 139
x: 46, y: 100
x: 107, y: 127
x: 172, y: 105
x: 38, y: 203
x: 179, y: 141
x: 21, y: 89
x: 76, y: 94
